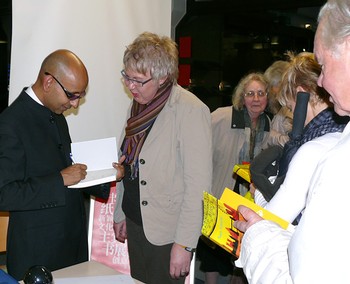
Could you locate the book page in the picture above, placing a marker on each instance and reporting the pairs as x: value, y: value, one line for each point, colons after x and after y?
x: 96, y: 177
x: 98, y: 155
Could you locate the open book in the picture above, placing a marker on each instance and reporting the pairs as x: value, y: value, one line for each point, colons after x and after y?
x: 219, y: 215
x: 98, y: 155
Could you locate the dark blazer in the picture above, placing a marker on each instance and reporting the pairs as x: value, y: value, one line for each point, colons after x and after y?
x: 47, y: 223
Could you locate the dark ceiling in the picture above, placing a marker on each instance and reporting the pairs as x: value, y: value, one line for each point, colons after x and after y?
x: 5, y: 19
x: 258, y: 13
x: 252, y: 5
x: 5, y: 7
x: 239, y: 13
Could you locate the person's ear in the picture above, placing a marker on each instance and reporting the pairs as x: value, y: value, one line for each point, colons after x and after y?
x: 347, y: 41
x: 162, y: 80
x: 300, y: 89
x: 47, y: 82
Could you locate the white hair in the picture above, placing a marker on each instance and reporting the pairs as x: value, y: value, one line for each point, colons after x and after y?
x: 334, y: 17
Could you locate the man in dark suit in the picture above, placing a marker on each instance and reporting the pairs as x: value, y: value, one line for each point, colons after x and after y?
x: 47, y: 223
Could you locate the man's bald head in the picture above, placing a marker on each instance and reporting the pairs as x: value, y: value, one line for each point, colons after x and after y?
x: 61, y: 71
x: 63, y: 62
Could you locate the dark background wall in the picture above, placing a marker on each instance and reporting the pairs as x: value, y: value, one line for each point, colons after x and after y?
x: 230, y: 39
x: 5, y: 40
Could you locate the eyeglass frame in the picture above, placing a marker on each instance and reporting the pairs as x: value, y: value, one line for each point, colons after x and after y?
x: 260, y: 94
x: 133, y: 81
x: 71, y: 96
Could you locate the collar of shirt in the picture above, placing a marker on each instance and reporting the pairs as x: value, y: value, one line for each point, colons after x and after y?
x: 31, y: 93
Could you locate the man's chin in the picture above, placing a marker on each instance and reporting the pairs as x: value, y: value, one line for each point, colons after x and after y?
x: 341, y: 111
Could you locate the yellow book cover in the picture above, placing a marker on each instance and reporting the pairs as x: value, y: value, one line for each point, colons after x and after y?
x: 218, y: 224
x: 233, y: 199
x: 219, y: 215
x: 243, y: 171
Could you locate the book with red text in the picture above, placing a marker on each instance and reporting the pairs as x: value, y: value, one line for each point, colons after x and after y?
x: 220, y: 214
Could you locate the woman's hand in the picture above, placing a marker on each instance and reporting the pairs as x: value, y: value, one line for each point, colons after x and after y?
x: 120, y: 231
x: 120, y: 168
x: 180, y: 261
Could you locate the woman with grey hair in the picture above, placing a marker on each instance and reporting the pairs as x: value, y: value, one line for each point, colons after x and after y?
x: 239, y: 132
x: 316, y: 251
x: 167, y: 149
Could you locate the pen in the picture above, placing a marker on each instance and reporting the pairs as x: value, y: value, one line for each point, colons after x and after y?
x: 71, y: 158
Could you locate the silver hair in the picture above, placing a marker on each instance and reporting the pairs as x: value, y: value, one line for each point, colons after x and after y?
x: 154, y: 53
x: 335, y: 19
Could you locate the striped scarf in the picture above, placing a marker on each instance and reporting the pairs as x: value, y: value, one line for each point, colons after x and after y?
x: 140, y: 122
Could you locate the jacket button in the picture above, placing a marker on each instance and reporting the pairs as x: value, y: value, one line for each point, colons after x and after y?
x: 142, y: 161
x: 143, y: 182
x: 144, y: 203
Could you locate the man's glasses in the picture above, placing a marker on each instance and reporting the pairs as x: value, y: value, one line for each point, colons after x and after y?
x: 137, y: 83
x: 70, y: 96
x: 251, y: 94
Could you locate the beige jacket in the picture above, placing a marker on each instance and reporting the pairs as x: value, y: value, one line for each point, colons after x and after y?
x: 281, y: 126
x: 229, y: 140
x: 177, y: 168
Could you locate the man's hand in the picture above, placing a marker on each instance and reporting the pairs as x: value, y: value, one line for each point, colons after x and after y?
x: 180, y: 261
x: 120, y: 231
x: 73, y: 174
x: 250, y: 218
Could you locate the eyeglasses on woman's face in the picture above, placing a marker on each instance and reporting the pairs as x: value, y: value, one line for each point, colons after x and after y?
x: 259, y: 93
x: 127, y: 80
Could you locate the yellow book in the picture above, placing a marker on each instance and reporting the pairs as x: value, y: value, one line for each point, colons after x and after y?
x: 233, y: 199
x: 219, y: 215
x: 218, y: 224
x: 243, y: 171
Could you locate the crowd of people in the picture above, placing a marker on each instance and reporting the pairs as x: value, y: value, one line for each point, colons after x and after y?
x: 292, y: 118
x: 315, y: 251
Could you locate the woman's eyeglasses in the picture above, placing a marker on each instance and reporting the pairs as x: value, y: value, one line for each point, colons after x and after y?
x: 251, y: 94
x: 137, y: 83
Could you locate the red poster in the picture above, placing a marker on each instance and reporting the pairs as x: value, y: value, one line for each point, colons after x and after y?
x: 185, y: 43
x: 104, y: 247
x: 184, y: 75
